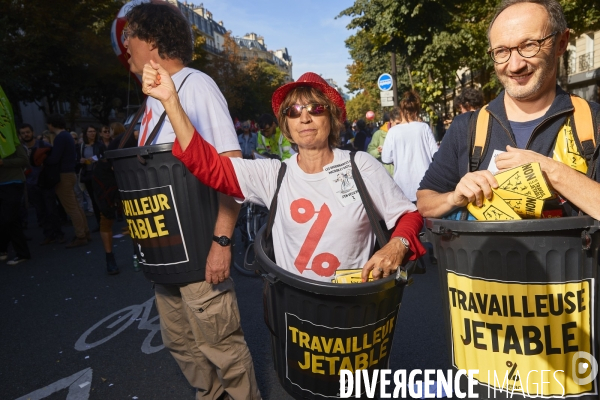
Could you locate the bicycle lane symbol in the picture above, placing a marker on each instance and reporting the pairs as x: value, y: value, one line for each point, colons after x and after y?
x: 78, y: 384
x: 126, y: 316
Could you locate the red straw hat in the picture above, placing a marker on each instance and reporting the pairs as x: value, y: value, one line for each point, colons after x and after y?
x: 313, y: 80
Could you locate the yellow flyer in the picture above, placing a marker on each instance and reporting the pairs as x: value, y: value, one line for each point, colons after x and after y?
x: 349, y: 276
x: 566, y: 150
x: 526, y: 207
x: 493, y: 210
x: 526, y: 180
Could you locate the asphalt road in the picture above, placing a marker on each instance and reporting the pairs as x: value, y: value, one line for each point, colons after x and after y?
x: 69, y: 330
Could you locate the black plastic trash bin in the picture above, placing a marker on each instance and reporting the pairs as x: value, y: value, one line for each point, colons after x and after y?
x: 170, y: 214
x: 521, y: 303
x: 319, y: 328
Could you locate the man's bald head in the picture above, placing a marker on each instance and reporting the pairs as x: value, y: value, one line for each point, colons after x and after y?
x: 556, y: 16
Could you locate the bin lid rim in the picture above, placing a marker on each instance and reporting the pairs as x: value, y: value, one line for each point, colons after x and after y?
x: 135, y: 151
x: 437, y: 225
x: 317, y: 287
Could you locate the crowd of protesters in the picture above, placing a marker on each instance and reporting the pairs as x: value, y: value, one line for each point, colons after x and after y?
x: 219, y: 365
x: 59, y: 182
x: 57, y: 171
x: 59, y: 165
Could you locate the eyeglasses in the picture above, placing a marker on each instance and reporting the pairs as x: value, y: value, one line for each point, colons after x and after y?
x: 527, y: 49
x: 126, y: 35
x: 313, y: 109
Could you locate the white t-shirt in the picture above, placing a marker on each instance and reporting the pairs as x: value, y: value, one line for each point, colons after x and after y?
x: 410, y: 147
x: 321, y: 224
x: 204, y: 105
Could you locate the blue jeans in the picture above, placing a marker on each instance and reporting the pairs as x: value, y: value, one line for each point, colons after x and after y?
x: 45, y: 203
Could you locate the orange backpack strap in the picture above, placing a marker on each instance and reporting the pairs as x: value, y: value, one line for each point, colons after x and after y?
x: 584, y: 126
x: 480, y: 141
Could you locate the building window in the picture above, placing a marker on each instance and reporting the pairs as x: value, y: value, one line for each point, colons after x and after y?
x: 586, y: 60
x: 572, y: 65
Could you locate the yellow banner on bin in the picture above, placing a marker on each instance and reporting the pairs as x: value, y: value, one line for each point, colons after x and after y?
x: 524, y: 338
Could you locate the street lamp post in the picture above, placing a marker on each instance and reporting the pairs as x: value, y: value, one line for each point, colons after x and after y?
x: 394, y: 79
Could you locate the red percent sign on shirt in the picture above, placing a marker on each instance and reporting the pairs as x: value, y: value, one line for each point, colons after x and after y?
x: 146, y: 122
x: 302, y: 211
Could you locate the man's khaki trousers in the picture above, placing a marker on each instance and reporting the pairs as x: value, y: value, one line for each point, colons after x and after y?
x: 65, y: 191
x: 200, y: 325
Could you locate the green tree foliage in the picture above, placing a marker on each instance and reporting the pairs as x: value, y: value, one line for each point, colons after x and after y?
x: 200, y: 58
x: 247, y: 86
x: 582, y: 16
x: 263, y: 79
x: 433, y: 39
x: 60, y: 51
x: 357, y: 107
x: 366, y: 67
x: 227, y: 73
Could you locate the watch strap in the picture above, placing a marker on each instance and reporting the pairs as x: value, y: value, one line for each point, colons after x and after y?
x: 222, y: 240
x: 404, y: 241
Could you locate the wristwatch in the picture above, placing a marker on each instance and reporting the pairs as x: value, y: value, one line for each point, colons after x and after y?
x: 222, y: 240
x: 404, y: 241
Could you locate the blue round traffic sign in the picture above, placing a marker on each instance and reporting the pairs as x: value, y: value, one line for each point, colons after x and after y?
x: 385, y: 82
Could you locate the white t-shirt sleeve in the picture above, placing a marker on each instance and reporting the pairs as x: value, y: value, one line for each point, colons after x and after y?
x: 430, y: 139
x: 207, y: 109
x: 388, y: 199
x: 257, y: 179
x: 387, y: 152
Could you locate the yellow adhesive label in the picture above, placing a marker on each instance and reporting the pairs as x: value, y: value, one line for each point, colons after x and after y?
x: 566, y: 150
x: 493, y: 210
x: 524, y: 338
x: 526, y: 180
x: 526, y: 207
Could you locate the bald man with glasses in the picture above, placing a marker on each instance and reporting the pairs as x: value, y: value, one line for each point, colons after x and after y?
x: 526, y: 41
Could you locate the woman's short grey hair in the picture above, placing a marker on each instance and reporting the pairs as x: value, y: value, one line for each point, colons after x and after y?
x: 556, y: 16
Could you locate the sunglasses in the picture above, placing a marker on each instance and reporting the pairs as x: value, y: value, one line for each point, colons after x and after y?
x: 125, y: 35
x: 313, y: 109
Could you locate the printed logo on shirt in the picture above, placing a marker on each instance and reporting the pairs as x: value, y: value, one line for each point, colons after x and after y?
x: 342, y: 182
x: 145, y: 124
x: 323, y: 264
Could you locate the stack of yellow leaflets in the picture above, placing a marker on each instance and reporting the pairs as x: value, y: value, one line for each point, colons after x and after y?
x: 520, y: 194
x: 349, y: 276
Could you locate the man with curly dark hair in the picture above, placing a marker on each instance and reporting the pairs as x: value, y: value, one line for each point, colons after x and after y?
x: 200, y: 322
x: 162, y: 27
x: 470, y: 99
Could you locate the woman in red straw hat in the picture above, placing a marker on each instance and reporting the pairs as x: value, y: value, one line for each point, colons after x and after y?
x: 321, y: 224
